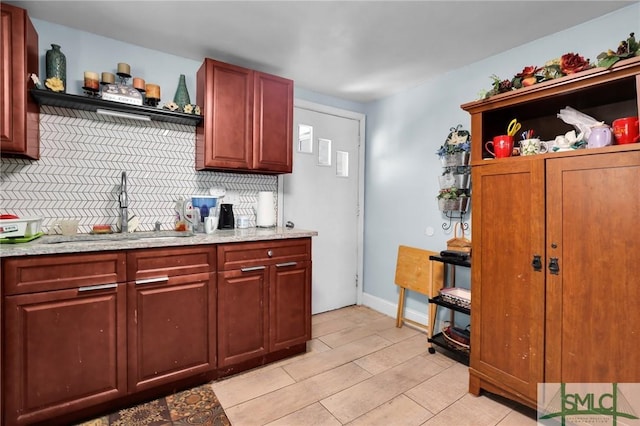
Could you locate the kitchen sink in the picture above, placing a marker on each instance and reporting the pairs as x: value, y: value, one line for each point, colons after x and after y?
x: 132, y: 236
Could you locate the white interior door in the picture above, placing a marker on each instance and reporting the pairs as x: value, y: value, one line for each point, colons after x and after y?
x: 323, y: 194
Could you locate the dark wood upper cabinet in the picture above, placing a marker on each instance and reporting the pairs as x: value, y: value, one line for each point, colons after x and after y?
x: 272, y: 123
x: 19, y: 116
x: 248, y: 120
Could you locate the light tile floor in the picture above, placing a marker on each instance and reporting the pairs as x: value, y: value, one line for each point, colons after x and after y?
x: 360, y: 369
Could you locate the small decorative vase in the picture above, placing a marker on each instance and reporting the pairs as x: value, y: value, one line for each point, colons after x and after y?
x: 57, y: 65
x: 182, y: 95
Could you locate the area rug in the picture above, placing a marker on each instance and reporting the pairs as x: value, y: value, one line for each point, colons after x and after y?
x: 197, y: 406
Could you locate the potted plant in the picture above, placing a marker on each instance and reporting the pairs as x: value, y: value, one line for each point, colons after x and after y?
x: 456, y: 148
x: 453, y: 199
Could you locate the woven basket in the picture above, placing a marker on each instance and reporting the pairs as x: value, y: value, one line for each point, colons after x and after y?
x: 459, y: 243
x: 456, y: 338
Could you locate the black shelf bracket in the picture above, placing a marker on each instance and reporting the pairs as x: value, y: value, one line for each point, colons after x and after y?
x: 455, y: 216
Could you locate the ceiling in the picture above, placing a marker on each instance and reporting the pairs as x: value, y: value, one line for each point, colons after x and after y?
x: 355, y: 50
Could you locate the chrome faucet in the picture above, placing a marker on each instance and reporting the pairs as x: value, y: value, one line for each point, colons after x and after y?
x: 124, y: 203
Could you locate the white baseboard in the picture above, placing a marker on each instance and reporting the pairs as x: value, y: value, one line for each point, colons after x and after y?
x: 391, y: 309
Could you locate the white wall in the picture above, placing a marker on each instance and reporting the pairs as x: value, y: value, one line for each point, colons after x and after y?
x: 90, y: 52
x: 405, y: 130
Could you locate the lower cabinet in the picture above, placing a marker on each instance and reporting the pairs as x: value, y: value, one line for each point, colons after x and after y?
x: 171, y: 310
x: 289, y: 304
x: 243, y: 315
x: 82, y: 331
x: 264, y: 298
x: 64, y: 349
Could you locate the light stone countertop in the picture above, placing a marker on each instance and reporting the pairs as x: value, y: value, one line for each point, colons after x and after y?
x: 82, y: 243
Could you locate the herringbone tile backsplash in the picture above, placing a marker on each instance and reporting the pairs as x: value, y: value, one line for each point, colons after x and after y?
x: 82, y: 156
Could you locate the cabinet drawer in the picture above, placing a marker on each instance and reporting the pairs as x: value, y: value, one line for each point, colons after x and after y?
x: 45, y: 273
x: 242, y: 255
x: 169, y: 262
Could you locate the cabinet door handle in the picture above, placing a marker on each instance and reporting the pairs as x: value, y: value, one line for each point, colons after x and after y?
x: 152, y: 280
x: 285, y: 264
x: 253, y: 268
x: 98, y: 287
x: 554, y: 267
x: 537, y: 263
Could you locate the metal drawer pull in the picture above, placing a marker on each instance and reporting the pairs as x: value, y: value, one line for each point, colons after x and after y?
x: 152, y: 280
x: 98, y: 287
x: 283, y: 265
x: 253, y: 268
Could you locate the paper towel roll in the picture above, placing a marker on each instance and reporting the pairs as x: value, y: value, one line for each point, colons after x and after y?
x: 266, y: 212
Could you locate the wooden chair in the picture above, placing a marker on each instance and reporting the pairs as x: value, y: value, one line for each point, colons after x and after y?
x: 415, y: 272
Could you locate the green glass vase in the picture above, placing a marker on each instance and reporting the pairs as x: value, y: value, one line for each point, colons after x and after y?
x: 182, y: 95
x: 56, y: 64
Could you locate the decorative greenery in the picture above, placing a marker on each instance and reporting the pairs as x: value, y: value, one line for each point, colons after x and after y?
x: 626, y: 49
x: 458, y: 141
x: 569, y: 63
x: 452, y: 193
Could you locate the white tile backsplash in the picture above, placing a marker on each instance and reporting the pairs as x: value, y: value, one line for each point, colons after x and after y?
x: 82, y: 156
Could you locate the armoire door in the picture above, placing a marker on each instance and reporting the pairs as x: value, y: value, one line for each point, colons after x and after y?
x: 507, y: 311
x: 593, y: 320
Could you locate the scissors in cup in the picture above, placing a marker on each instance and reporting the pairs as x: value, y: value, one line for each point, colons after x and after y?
x: 513, y: 127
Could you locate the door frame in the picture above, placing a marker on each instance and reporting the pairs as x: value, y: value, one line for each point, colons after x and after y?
x: 361, y: 119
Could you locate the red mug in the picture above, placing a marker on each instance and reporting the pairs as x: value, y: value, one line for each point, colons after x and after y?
x: 626, y: 130
x: 502, y: 146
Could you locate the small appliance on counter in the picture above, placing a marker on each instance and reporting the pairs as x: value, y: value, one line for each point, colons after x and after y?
x: 203, y: 206
x: 226, y: 220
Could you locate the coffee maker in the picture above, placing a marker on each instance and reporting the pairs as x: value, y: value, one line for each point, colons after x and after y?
x: 226, y: 220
